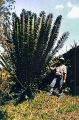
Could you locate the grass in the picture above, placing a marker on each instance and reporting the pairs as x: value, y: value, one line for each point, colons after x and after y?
x: 42, y: 107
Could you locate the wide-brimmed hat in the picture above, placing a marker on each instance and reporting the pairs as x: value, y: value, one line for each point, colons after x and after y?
x: 61, y: 58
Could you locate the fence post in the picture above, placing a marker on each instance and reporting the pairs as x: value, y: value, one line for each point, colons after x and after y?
x: 75, y: 71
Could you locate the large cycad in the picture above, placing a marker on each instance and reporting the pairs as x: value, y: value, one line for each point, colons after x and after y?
x: 33, y: 38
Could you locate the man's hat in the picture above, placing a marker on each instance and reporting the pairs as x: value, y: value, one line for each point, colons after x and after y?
x: 61, y: 58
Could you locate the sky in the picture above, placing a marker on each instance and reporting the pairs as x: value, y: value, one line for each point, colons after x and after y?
x: 69, y: 9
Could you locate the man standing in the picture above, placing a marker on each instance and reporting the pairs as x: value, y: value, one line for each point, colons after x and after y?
x: 60, y: 75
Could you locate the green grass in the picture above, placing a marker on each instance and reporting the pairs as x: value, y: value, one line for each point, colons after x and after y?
x: 42, y: 107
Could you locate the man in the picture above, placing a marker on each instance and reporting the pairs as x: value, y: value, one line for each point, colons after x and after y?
x: 60, y: 75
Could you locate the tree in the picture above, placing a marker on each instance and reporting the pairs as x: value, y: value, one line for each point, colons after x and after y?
x: 5, y: 14
x: 28, y: 50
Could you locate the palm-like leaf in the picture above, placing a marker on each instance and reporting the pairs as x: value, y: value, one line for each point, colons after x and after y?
x: 59, y: 45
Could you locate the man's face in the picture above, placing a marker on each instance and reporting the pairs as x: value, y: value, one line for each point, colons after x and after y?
x: 60, y: 62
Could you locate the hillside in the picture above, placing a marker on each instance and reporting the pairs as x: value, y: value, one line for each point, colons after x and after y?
x: 42, y: 107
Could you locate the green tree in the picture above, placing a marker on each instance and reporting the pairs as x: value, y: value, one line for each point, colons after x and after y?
x: 32, y: 47
x: 5, y: 14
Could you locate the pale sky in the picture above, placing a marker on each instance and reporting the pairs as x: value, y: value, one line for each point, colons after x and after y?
x: 69, y: 9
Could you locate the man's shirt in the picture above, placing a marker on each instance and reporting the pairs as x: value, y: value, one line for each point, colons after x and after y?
x: 61, y: 70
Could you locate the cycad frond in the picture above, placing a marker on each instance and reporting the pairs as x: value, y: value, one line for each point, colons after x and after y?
x: 5, y: 63
x: 60, y: 43
x: 40, y: 25
x: 54, y: 33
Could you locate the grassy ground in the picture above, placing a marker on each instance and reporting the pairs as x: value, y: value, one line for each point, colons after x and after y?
x: 42, y: 107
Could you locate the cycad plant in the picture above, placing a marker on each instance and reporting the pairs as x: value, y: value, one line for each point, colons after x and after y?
x: 31, y: 47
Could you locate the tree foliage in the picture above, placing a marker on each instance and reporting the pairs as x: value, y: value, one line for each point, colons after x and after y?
x: 5, y: 14
x: 28, y: 52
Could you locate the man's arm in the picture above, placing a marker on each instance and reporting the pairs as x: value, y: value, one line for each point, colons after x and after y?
x: 65, y: 76
x: 52, y: 68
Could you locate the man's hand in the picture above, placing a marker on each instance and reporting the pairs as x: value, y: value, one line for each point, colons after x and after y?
x: 64, y: 81
x: 52, y: 68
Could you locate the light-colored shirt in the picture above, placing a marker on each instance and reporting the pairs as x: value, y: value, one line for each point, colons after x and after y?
x: 61, y: 70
